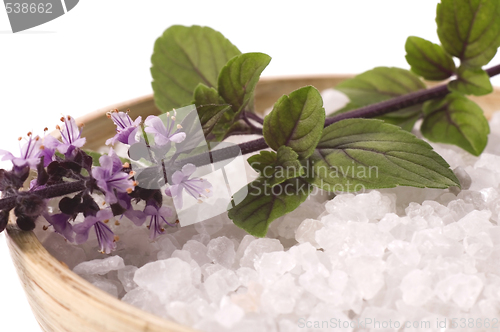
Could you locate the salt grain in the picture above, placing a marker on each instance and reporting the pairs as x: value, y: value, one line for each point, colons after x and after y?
x: 100, y: 266
x: 256, y: 248
x: 126, y: 277
x: 221, y: 251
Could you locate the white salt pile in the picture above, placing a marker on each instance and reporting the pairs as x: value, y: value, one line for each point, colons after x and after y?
x: 403, y: 259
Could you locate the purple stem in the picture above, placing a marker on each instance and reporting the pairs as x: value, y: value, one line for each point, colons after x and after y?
x: 56, y: 190
x: 253, y: 117
x: 395, y: 104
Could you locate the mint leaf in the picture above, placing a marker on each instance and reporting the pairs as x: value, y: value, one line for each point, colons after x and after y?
x: 404, y: 118
x: 211, y: 108
x: 274, y: 167
x: 182, y: 58
x: 237, y: 128
x: 358, y: 154
x: 380, y: 84
x: 469, y: 29
x: 263, y: 203
x: 428, y: 60
x: 296, y: 121
x: 239, y: 77
x: 471, y: 82
x: 456, y: 120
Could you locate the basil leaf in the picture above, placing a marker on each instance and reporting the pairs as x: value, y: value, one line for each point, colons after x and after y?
x: 239, y: 77
x: 358, y: 154
x: 211, y: 108
x: 471, y: 82
x: 263, y: 203
x: 428, y: 60
x: 182, y: 58
x: 296, y: 121
x: 274, y: 167
x: 404, y: 118
x: 456, y: 120
x: 237, y: 128
x: 469, y: 29
x: 380, y: 84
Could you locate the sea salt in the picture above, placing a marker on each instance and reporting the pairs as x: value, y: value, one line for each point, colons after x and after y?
x: 256, y: 248
x: 306, y: 231
x: 399, y: 254
x: 169, y: 279
x: 198, y: 252
x: 126, y: 277
x: 100, y: 266
x: 220, y: 283
x: 221, y: 251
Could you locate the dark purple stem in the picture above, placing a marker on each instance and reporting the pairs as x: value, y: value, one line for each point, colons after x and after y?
x: 253, y: 117
x: 56, y: 190
x: 395, y: 104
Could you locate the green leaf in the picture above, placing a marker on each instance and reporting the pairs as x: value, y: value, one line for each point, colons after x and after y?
x: 274, y: 167
x: 296, y: 121
x: 428, y: 60
x: 182, y: 58
x: 456, y: 120
x: 263, y: 203
x: 237, y: 128
x: 404, y: 118
x: 469, y: 29
x: 379, y: 84
x: 358, y: 154
x: 471, y: 82
x: 95, y: 157
x: 239, y: 77
x: 211, y: 108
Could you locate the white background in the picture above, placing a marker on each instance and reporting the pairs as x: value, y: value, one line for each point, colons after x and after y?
x: 99, y: 53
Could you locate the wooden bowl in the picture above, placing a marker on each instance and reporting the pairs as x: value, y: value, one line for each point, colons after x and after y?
x: 63, y: 301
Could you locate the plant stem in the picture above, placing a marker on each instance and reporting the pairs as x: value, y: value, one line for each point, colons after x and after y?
x: 395, y: 104
x: 254, y: 117
x: 369, y: 111
x: 49, y: 192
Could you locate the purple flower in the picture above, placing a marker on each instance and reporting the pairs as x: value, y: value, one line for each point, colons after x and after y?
x: 30, y: 153
x: 71, y: 136
x: 196, y: 187
x: 136, y: 216
x: 48, y: 149
x: 125, y: 128
x: 105, y: 236
x: 164, y: 134
x: 61, y: 224
x: 110, y: 178
x: 158, y: 218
